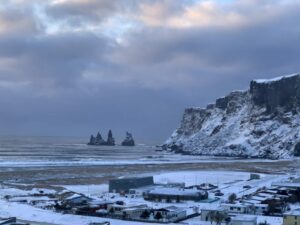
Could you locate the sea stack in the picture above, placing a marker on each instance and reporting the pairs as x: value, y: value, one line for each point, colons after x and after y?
x: 128, y: 141
x: 110, y: 139
x: 98, y: 140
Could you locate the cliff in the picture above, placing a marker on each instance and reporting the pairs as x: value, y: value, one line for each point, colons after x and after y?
x: 262, y: 122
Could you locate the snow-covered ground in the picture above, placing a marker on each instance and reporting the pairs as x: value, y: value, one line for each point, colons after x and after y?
x: 228, y: 182
x: 166, y: 159
x: 30, y: 213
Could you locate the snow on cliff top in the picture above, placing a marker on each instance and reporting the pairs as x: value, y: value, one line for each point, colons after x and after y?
x: 275, y: 78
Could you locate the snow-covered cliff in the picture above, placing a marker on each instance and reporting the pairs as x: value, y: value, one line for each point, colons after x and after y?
x: 262, y: 122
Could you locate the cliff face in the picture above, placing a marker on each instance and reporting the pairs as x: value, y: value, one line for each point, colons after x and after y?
x: 262, y: 122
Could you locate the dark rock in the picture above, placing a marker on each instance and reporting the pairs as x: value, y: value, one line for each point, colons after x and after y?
x: 110, y: 139
x: 98, y: 140
x: 221, y: 103
x: 216, y: 130
x: 262, y: 122
x: 297, y: 149
x: 92, y: 140
x: 129, y: 141
x: 284, y: 93
x: 229, y: 102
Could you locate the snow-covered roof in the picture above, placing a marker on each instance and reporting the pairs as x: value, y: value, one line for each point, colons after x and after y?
x: 172, y: 209
x: 176, y: 191
x: 240, y: 205
x: 287, y: 184
x: 130, y: 206
x: 295, y: 212
x: 275, y: 79
x: 75, y: 196
x: 259, y: 198
x: 244, y: 218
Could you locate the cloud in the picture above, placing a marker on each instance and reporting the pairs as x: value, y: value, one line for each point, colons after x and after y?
x: 159, y: 57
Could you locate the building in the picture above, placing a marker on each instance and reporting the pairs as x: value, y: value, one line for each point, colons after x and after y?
x: 134, y: 212
x: 124, y: 185
x: 292, y: 217
x: 260, y: 209
x: 254, y: 176
x: 243, y: 220
x: 207, y: 212
x: 175, y: 195
x: 239, y: 208
x: 131, y: 211
x: 11, y: 221
x: 100, y: 223
x: 295, y: 184
x: 76, y: 199
x: 170, y: 214
x: 204, y: 187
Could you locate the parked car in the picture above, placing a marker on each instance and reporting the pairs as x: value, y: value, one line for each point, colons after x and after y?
x: 219, y: 194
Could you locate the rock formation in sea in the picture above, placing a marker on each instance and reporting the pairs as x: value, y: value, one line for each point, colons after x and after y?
x: 110, y: 138
x: 128, y: 141
x: 98, y: 140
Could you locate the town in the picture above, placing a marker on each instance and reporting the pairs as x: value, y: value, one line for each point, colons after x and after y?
x: 246, y: 199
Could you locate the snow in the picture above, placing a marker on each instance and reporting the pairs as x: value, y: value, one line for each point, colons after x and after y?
x: 88, y: 190
x: 275, y: 79
x: 175, y: 191
x: 228, y: 182
x: 30, y: 213
x: 198, y: 177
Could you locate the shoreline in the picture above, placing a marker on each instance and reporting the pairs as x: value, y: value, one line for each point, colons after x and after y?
x: 99, y: 174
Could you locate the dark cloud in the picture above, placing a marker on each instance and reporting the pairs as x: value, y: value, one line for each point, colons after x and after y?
x: 72, y: 82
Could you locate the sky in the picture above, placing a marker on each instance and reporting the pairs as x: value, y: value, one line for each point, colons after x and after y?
x: 75, y: 67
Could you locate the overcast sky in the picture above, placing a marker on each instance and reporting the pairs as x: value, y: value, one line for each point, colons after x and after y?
x: 73, y: 67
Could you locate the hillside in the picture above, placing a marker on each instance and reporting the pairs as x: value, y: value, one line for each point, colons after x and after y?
x: 262, y: 122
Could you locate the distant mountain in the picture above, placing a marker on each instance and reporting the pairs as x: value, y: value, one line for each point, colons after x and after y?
x: 262, y: 122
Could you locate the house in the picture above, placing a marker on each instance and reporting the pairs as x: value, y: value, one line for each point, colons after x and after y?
x: 124, y: 185
x: 10, y: 221
x: 140, y: 192
x: 100, y: 223
x: 207, y: 212
x: 243, y: 220
x: 92, y: 208
x: 240, y: 208
x: 130, y: 211
x: 204, y: 187
x: 134, y: 212
x: 254, y: 176
x: 292, y: 217
x: 260, y: 209
x: 175, y: 195
x: 76, y: 199
x: 170, y: 214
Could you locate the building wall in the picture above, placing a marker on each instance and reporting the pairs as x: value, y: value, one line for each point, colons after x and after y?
x: 291, y: 220
x: 173, y: 198
x: 123, y: 185
x: 236, y: 209
x: 242, y: 223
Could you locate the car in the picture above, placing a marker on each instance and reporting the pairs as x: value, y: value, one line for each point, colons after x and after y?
x: 219, y: 194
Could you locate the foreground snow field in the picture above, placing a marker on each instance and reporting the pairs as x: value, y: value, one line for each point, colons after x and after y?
x: 228, y: 182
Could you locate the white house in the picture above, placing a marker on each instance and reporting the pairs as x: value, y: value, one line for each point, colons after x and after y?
x: 171, y: 213
x: 244, y: 220
x: 239, y: 208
